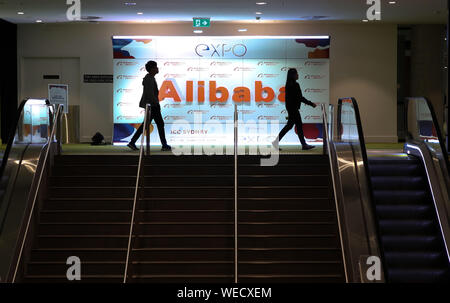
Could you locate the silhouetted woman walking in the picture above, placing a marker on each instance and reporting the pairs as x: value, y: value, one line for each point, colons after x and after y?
x: 294, y: 98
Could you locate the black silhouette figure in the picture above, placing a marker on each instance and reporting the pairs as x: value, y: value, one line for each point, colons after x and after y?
x: 150, y: 96
x: 294, y: 98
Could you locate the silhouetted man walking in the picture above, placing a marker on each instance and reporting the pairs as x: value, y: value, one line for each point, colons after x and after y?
x: 150, y: 96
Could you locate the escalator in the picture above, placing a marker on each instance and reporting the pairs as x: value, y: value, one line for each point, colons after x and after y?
x: 21, y: 172
x: 413, y: 246
x: 406, y: 198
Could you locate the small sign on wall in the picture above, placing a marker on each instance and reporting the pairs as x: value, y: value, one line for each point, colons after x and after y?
x: 98, y: 78
x: 59, y: 94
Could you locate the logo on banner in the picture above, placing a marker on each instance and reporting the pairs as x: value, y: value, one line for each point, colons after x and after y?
x: 169, y: 63
x: 197, y: 69
x: 127, y: 117
x: 126, y: 77
x: 171, y: 118
x: 215, y: 105
x: 246, y: 111
x: 220, y: 63
x: 220, y: 75
x: 315, y: 63
x: 314, y: 77
x: 267, y: 63
x: 174, y: 75
x: 244, y: 69
x: 315, y: 90
x: 268, y: 105
x: 221, y: 118
x: 268, y: 117
x: 125, y: 90
x: 193, y: 111
x: 220, y: 50
x: 268, y: 75
x: 126, y: 63
x: 173, y: 106
x: 121, y: 104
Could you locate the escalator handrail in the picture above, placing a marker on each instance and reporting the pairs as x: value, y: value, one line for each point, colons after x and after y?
x: 437, y: 128
x: 39, y: 174
x: 365, y: 163
x: 328, y: 137
x: 12, y: 136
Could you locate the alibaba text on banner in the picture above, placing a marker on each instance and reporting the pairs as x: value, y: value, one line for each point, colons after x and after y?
x: 202, y: 78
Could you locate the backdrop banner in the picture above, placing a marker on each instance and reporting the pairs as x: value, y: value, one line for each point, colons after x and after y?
x: 201, y: 79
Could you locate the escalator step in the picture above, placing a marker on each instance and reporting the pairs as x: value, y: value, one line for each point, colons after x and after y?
x: 410, y: 243
x: 407, y: 227
x: 402, y: 169
x: 431, y: 275
x: 411, y: 212
x: 400, y: 196
x: 398, y: 182
x: 415, y: 259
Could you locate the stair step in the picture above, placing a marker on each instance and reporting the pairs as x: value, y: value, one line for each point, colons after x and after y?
x: 136, y: 268
x: 290, y: 268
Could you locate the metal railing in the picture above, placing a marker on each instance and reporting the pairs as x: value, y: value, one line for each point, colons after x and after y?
x: 40, y: 174
x: 352, y: 190
x: 235, y: 194
x: 334, y: 168
x: 138, y: 184
x: 423, y: 131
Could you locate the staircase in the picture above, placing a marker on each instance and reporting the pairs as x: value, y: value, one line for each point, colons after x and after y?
x: 287, y: 222
x: 185, y: 222
x: 411, y: 240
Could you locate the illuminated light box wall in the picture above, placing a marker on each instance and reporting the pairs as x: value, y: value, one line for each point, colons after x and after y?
x: 202, y: 78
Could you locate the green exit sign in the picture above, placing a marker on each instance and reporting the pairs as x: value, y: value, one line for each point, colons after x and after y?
x: 201, y: 22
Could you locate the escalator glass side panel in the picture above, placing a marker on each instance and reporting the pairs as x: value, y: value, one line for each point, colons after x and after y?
x: 422, y: 126
x: 18, y: 172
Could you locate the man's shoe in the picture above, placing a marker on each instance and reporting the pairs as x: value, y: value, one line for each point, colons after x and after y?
x: 306, y: 147
x: 132, y: 146
x: 166, y: 148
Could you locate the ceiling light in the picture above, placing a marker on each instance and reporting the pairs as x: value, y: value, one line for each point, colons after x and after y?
x: 140, y: 13
x: 38, y: 21
x: 242, y: 30
x: 261, y: 3
x: 365, y: 20
x: 130, y: 3
x: 197, y: 31
x: 20, y: 13
x: 258, y: 13
x: 392, y: 2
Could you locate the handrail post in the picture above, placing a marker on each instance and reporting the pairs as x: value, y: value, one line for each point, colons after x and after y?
x: 324, y: 129
x: 235, y: 194
x: 136, y: 191
x: 147, y: 132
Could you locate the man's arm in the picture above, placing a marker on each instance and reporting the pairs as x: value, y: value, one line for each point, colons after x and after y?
x: 149, y: 91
